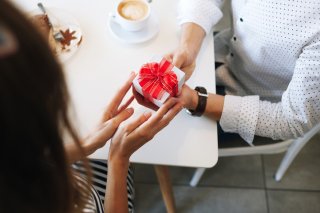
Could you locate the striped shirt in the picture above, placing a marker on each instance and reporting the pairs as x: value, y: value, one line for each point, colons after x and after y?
x: 99, y: 170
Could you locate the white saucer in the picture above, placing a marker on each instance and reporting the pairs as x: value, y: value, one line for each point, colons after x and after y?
x: 150, y: 31
x: 64, y: 20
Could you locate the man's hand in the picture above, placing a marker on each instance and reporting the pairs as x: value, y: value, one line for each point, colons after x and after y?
x: 184, y: 57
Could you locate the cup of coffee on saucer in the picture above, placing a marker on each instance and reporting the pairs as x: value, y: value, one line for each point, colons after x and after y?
x: 131, y: 15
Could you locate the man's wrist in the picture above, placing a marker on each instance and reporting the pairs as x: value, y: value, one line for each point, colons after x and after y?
x: 191, y: 38
x: 194, y: 100
x: 202, y: 102
x: 189, y: 48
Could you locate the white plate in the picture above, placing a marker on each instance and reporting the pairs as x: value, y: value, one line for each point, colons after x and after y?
x: 147, y: 33
x: 63, y: 20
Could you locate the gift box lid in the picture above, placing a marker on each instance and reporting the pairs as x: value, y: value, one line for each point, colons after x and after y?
x: 180, y: 78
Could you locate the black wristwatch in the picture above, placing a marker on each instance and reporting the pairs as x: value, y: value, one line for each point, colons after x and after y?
x: 202, y: 102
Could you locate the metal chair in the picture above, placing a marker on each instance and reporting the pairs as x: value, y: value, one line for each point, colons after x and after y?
x: 292, y: 148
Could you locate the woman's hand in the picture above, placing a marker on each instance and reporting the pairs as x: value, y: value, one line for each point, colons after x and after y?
x: 131, y: 137
x: 113, y: 116
x: 124, y: 143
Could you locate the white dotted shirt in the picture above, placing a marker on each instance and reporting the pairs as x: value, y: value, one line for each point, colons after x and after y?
x: 272, y: 71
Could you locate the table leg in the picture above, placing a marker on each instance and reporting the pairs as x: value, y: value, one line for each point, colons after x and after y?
x: 165, y: 187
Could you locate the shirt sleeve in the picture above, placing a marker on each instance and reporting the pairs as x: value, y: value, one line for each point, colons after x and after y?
x: 240, y: 115
x: 205, y: 13
x: 296, y: 114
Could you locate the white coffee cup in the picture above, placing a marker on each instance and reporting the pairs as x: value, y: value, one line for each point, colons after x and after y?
x: 132, y: 15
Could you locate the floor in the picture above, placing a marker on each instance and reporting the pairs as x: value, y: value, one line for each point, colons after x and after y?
x: 239, y: 184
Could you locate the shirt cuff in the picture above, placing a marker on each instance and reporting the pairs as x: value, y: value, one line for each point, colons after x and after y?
x: 240, y: 115
x: 204, y: 13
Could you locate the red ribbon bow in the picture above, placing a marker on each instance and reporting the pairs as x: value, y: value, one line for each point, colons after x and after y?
x: 155, y: 79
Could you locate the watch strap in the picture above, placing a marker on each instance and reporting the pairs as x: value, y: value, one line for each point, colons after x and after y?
x: 202, y: 102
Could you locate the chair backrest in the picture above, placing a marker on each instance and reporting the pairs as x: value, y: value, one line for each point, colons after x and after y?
x: 266, y: 148
x: 274, y: 148
x: 292, y: 148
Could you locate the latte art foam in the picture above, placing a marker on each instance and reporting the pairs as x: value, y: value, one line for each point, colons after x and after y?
x: 133, y: 10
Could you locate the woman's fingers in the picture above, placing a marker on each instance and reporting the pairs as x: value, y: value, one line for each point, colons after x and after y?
x: 126, y: 140
x: 125, y: 105
x: 142, y: 129
x: 137, y: 122
x: 163, y: 116
x: 122, y: 116
x: 112, y: 108
x: 117, y: 99
x: 164, y: 109
x: 124, y: 89
x: 167, y: 113
x: 167, y: 118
